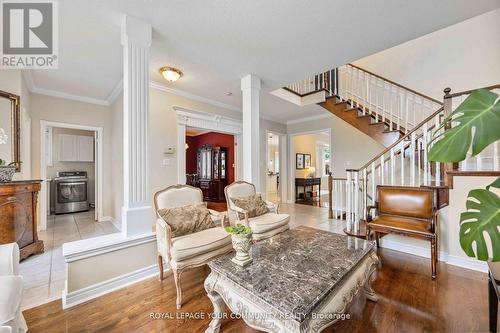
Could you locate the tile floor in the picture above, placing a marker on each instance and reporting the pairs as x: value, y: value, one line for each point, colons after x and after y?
x: 44, y: 274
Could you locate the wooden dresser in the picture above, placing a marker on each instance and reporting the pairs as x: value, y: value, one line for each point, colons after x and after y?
x: 18, y: 218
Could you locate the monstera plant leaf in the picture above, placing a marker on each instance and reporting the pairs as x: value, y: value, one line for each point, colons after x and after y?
x: 481, y: 111
x: 482, y: 216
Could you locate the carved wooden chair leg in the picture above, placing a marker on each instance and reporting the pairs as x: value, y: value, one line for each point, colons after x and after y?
x: 434, y: 256
x: 377, y: 239
x: 160, y: 266
x: 177, y: 280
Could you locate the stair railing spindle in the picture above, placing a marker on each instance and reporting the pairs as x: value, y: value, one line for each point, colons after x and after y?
x: 412, y: 159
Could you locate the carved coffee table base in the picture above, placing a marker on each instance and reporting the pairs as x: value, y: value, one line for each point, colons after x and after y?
x: 259, y: 315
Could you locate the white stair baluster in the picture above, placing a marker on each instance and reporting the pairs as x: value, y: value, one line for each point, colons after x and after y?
x: 412, y: 159
x: 356, y: 202
x: 373, y: 182
x: 402, y: 159
x: 382, y: 171
x: 424, y: 148
x: 392, y: 165
x: 348, y: 201
x: 437, y: 164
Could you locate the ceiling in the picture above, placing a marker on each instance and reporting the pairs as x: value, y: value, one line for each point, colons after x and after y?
x: 217, y: 42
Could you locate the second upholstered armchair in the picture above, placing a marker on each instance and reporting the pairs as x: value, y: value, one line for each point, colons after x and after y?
x: 264, y: 225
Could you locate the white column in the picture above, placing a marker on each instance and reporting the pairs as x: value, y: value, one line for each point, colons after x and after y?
x: 137, y: 213
x: 250, y: 87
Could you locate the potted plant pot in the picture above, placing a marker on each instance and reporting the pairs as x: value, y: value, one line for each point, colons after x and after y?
x: 241, y: 237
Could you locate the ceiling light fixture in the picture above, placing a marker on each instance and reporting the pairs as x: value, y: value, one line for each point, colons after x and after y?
x: 170, y: 74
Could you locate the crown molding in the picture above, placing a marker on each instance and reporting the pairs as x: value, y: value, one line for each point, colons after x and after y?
x: 77, y: 98
x: 115, y: 92
x: 162, y: 87
x: 119, y: 88
x: 305, y: 119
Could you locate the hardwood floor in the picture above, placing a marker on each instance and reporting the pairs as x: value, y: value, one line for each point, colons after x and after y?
x: 409, y: 301
x: 217, y: 206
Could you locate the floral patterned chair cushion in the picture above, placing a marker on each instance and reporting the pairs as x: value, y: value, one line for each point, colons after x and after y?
x: 188, y: 219
x: 253, y: 204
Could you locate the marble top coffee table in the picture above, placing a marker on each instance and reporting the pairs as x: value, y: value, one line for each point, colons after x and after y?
x: 301, y: 280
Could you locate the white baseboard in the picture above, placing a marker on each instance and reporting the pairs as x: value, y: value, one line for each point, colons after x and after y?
x: 411, y: 249
x: 102, y: 288
x: 468, y: 263
x: 464, y: 262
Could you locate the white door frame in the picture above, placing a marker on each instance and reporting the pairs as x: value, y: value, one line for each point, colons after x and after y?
x: 207, y: 121
x: 291, y: 158
x: 282, y: 189
x: 43, y: 168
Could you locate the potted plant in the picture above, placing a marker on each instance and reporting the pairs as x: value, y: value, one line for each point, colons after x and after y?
x: 477, y: 123
x: 241, y: 237
x: 6, y: 171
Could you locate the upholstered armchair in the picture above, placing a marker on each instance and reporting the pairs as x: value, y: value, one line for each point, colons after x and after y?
x: 11, y: 290
x: 263, y: 226
x: 189, y: 250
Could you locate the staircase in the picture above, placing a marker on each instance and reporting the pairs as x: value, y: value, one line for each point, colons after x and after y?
x: 402, y: 120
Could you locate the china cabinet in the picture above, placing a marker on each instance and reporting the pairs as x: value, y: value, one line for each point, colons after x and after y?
x: 212, y: 172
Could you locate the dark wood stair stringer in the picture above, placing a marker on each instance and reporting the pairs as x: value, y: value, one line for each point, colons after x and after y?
x: 364, y: 123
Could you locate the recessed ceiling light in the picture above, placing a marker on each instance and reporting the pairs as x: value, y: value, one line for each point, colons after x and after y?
x: 170, y: 74
x: 229, y: 93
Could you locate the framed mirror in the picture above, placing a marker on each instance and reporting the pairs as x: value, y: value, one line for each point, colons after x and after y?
x: 9, y: 129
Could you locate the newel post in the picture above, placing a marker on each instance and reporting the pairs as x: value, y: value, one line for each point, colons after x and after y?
x: 447, y: 110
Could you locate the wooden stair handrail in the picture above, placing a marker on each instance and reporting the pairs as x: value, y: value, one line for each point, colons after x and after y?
x: 466, y: 92
x: 303, y: 95
x: 397, y: 84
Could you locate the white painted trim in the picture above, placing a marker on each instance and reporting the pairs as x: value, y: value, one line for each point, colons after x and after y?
x: 411, y: 249
x: 469, y: 263
x: 282, y: 165
x: 115, y: 93
x: 44, y: 205
x: 105, y: 287
x: 77, y: 98
x: 162, y: 87
x: 306, y: 119
x: 206, y: 121
x: 92, y: 247
x: 425, y: 252
x: 119, y: 88
x: 177, y: 92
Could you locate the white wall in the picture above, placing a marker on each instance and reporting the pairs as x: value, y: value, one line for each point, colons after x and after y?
x: 12, y: 81
x: 350, y: 148
x: 462, y: 56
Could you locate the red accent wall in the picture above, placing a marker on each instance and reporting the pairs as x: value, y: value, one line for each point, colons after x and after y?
x: 213, y: 139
